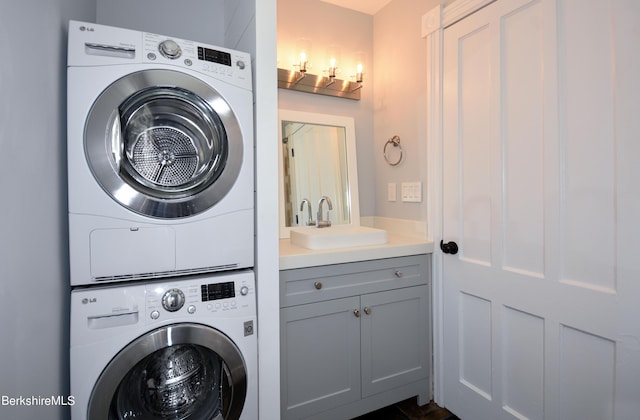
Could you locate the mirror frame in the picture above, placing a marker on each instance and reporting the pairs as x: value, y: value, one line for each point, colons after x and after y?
x: 352, y: 168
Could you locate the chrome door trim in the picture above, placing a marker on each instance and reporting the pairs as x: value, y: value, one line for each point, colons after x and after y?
x: 104, y: 154
x: 186, y: 333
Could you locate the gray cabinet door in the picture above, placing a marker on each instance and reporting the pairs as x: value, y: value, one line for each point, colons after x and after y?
x: 320, y: 356
x: 394, y: 333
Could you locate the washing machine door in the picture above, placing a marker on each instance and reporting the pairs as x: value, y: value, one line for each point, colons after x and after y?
x: 181, y: 372
x: 163, y: 143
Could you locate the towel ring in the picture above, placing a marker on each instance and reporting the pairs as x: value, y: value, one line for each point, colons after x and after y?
x: 395, y: 141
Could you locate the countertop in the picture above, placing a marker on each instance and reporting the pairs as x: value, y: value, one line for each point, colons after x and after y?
x: 292, y: 256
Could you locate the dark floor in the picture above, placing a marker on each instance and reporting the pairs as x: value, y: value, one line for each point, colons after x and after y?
x: 409, y: 410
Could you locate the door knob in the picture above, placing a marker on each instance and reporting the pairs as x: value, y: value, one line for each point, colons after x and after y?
x: 449, y: 247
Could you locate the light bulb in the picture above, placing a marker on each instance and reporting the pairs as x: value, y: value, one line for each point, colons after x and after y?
x: 359, y: 73
x: 303, y: 61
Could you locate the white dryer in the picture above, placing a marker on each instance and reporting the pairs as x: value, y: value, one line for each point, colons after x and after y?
x: 182, y: 349
x: 160, y: 156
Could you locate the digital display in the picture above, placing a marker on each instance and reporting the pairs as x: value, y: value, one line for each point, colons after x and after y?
x: 214, y: 56
x: 217, y: 291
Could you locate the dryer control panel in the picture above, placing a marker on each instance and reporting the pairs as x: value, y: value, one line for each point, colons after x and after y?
x: 94, y: 44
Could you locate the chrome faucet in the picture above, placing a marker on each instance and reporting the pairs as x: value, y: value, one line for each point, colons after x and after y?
x: 310, y: 222
x: 319, y: 222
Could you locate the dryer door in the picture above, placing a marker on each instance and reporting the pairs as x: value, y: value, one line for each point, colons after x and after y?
x: 181, y: 371
x: 163, y: 143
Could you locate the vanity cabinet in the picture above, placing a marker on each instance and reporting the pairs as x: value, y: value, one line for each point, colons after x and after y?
x: 354, y: 337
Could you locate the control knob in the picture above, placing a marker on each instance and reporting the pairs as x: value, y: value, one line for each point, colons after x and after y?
x: 173, y: 300
x: 170, y: 49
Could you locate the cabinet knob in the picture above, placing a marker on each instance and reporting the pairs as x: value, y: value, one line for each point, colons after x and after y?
x: 399, y: 274
x: 367, y: 310
x: 356, y: 312
x: 317, y: 285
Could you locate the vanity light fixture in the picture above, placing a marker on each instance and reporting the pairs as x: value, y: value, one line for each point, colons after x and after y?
x: 303, y: 81
x: 332, y: 72
x: 358, y: 77
x: 303, y: 46
x: 302, y: 67
x: 303, y: 62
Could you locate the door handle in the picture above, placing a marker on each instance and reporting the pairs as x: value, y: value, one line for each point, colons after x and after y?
x: 449, y: 247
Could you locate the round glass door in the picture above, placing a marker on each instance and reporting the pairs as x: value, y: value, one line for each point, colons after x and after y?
x: 163, y: 144
x: 181, y: 372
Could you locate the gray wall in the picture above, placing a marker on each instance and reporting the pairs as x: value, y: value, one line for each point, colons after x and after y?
x: 196, y: 20
x: 34, y: 284
x: 394, y: 96
x: 240, y: 26
x: 352, y: 31
x: 400, y: 65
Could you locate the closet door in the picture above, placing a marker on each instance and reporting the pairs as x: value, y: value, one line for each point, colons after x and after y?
x: 541, y: 195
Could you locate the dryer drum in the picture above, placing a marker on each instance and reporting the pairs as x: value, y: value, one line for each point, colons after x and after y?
x: 163, y: 143
x: 173, y: 141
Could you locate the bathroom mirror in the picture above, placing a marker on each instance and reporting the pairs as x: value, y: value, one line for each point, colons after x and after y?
x: 317, y: 158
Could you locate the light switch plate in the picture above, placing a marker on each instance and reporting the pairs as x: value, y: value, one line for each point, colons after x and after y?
x: 392, y: 191
x: 412, y: 192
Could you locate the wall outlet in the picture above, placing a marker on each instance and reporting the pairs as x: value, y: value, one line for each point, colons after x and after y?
x: 392, y: 191
x: 412, y: 192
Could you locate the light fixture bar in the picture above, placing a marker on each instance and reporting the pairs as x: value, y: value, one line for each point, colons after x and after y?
x: 288, y: 79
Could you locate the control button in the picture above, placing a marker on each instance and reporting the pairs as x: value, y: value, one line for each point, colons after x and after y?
x: 155, y: 315
x: 209, y: 307
x: 173, y: 300
x: 191, y: 309
x: 188, y: 62
x: 240, y: 64
x: 151, y: 56
x: 244, y: 290
x: 234, y: 303
x: 170, y: 49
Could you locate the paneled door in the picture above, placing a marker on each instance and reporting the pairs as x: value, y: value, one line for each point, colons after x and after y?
x: 541, y: 194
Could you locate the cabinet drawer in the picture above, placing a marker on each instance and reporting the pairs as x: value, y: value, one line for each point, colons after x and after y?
x: 315, y: 284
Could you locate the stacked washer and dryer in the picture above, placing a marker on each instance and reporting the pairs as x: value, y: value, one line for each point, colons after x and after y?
x: 161, y: 227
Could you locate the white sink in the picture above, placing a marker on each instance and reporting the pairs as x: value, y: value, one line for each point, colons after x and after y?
x: 337, y: 236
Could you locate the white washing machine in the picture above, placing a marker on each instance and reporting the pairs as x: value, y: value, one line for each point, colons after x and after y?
x: 160, y: 156
x: 182, y: 349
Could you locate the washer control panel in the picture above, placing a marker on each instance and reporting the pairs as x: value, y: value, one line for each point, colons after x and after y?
x: 173, y: 300
x: 199, y: 297
x: 216, y: 291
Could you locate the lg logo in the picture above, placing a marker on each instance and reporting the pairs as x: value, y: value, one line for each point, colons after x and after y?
x: 89, y: 300
x: 84, y: 28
